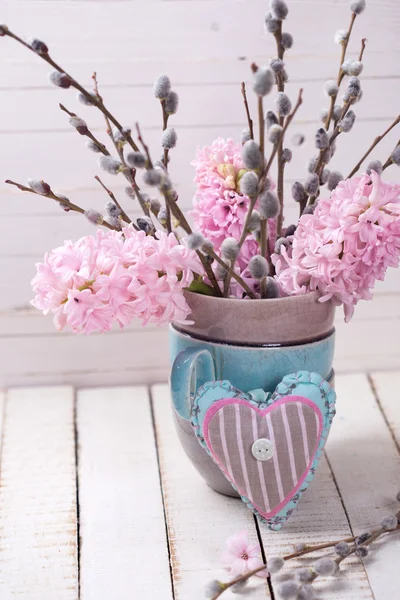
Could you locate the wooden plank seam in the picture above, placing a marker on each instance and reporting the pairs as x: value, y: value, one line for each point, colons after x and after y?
x: 385, y: 417
x: 163, y: 495
x: 78, y: 535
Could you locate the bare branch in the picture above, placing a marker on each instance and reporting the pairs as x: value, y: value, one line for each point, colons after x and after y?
x: 246, y: 106
x: 61, y: 200
x: 113, y: 198
x: 374, y: 143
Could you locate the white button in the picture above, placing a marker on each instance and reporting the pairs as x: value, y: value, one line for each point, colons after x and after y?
x: 262, y: 449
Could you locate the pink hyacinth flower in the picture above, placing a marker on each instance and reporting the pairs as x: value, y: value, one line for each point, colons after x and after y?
x: 114, y: 277
x: 346, y: 245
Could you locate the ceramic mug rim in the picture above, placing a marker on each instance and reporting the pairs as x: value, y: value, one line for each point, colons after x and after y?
x: 213, y: 341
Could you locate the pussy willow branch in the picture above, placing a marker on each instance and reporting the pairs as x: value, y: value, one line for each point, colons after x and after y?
x: 107, y: 120
x: 88, y: 133
x: 165, y: 117
x: 246, y: 106
x: 320, y: 162
x: 124, y: 216
x: 127, y: 171
x: 341, y: 73
x: 263, y: 178
x: 103, y: 149
x: 374, y: 536
x: 280, y: 162
x: 63, y: 201
x: 95, y: 101
x: 374, y: 143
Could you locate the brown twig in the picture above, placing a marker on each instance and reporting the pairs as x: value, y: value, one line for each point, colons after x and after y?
x: 263, y: 252
x: 280, y: 49
x: 321, y: 162
x: 280, y: 183
x: 246, y: 106
x: 127, y: 172
x: 180, y: 217
x: 232, y: 273
x: 62, y: 201
x: 165, y: 117
x: 171, y: 202
x: 88, y: 133
x: 144, y: 145
x: 261, y: 123
x: 107, y: 120
x: 374, y: 536
x: 389, y: 160
x: 95, y: 101
x: 363, y: 44
x: 226, y: 284
x: 124, y: 216
x: 374, y: 143
x: 341, y: 73
x: 280, y: 162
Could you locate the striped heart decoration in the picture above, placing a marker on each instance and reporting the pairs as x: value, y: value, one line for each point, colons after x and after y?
x: 268, y: 450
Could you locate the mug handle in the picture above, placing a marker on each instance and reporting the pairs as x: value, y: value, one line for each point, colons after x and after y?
x: 191, y: 369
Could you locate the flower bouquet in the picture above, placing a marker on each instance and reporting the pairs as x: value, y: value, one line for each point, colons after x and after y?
x: 250, y: 297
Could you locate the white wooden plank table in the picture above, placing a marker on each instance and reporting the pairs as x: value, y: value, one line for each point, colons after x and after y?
x: 98, y: 501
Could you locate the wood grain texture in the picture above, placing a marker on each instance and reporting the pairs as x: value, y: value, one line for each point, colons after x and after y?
x: 319, y: 518
x: 132, y: 468
x: 198, y: 519
x: 38, y: 517
x: 385, y: 385
x: 366, y: 464
x: 123, y: 545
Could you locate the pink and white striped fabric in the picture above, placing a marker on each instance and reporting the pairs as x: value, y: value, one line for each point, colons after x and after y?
x: 293, y: 425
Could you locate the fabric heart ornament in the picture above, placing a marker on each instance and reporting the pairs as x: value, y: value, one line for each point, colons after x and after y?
x: 268, y: 447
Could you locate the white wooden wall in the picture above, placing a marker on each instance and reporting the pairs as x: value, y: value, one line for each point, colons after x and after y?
x: 206, y: 47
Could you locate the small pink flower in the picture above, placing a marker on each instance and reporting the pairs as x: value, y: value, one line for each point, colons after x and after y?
x: 240, y: 556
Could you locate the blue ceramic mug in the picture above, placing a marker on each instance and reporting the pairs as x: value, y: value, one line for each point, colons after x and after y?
x: 199, y: 355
